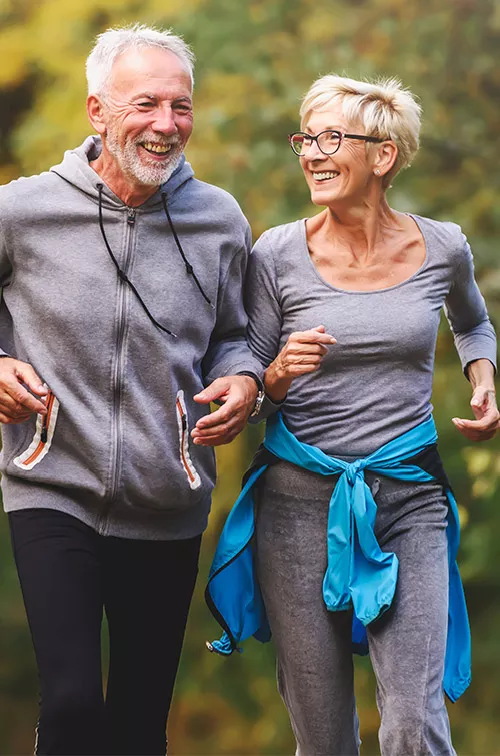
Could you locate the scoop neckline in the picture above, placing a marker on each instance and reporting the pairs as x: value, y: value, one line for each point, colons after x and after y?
x: 367, y: 291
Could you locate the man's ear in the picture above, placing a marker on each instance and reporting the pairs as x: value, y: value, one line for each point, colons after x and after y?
x: 95, y: 113
x: 385, y: 157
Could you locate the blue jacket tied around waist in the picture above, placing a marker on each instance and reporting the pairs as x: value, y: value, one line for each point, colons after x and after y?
x: 359, y: 575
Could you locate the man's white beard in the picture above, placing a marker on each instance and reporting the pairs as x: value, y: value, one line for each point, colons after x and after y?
x: 152, y: 174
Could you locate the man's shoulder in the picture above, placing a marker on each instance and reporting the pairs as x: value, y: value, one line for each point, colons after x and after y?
x: 26, y: 192
x: 215, y: 200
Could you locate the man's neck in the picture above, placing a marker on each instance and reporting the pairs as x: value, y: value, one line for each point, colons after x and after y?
x: 131, y: 193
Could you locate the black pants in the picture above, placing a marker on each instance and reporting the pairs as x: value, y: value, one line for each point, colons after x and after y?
x: 68, y: 574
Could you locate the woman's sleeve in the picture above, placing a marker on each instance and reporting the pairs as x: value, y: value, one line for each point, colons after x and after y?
x: 263, y: 306
x: 467, y: 315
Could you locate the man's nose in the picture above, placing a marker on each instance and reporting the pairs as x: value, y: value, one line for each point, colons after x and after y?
x: 164, y: 121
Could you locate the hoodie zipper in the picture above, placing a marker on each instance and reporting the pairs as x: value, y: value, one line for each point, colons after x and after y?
x: 118, y: 377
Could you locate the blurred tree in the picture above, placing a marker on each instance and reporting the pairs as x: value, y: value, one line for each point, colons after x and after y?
x: 256, y: 59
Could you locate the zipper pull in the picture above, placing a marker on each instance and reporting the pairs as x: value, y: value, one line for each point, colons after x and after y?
x: 130, y: 216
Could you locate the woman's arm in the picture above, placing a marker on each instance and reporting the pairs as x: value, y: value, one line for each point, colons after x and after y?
x: 484, y: 406
x: 475, y: 341
x: 303, y: 350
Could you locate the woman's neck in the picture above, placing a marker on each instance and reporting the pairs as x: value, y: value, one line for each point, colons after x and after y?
x: 361, y: 230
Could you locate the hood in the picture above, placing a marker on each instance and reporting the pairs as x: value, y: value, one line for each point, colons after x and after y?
x: 75, y: 168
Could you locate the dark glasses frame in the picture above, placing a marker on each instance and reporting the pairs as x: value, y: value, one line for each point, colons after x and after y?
x: 341, y: 136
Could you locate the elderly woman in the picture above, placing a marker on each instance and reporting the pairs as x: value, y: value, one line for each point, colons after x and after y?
x: 353, y: 509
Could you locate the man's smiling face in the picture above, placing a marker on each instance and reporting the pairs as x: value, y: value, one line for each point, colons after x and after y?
x: 148, y: 113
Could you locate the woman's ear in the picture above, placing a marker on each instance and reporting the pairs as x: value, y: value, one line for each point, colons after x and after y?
x: 384, y: 158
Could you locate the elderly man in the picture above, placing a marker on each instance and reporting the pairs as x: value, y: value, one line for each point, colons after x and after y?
x: 122, y: 279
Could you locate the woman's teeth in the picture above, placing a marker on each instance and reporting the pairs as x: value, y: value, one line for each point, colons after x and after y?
x: 325, y: 175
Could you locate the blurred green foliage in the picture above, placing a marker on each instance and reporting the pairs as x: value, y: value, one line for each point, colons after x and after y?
x: 256, y: 59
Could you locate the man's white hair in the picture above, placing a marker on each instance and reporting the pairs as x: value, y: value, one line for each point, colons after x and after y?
x: 113, y: 42
x: 382, y: 108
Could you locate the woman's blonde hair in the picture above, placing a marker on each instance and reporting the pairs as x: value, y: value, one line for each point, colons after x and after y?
x: 383, y: 108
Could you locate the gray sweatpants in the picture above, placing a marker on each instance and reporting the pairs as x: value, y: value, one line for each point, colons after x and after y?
x: 407, y: 644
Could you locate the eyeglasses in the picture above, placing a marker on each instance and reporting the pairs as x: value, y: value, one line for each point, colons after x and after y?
x: 328, y: 141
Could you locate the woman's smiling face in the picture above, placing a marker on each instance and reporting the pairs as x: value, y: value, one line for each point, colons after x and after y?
x: 347, y: 175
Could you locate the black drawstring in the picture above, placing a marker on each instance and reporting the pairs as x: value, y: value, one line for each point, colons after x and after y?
x: 123, y: 276
x: 189, y: 267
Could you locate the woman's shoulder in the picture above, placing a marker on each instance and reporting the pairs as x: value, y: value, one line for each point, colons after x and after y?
x: 281, y: 240
x: 442, y: 234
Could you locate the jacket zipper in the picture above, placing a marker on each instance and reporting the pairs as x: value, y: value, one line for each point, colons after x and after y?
x: 118, y: 376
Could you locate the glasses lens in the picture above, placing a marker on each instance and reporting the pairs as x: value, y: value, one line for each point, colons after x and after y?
x: 300, y: 143
x: 329, y: 141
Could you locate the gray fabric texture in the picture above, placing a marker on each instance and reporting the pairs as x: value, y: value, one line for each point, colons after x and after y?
x: 115, y: 458
x: 375, y: 383
x: 407, y: 644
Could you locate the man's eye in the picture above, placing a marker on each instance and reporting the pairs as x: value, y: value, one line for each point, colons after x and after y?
x: 145, y: 104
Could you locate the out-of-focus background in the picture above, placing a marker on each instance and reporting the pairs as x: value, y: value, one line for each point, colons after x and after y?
x: 255, y: 60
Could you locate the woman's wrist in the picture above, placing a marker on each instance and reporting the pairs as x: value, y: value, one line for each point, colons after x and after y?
x: 275, y: 383
x: 481, y: 373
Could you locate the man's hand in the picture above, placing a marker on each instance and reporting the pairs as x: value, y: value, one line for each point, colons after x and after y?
x: 17, y: 404
x: 487, y: 422
x: 237, y: 394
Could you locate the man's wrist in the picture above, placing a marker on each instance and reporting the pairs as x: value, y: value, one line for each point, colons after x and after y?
x: 260, y: 391
x: 258, y: 381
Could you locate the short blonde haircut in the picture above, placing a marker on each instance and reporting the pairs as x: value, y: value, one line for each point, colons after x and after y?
x: 382, y: 108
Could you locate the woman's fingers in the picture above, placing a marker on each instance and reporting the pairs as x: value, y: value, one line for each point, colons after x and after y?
x: 313, y: 336
x: 306, y: 348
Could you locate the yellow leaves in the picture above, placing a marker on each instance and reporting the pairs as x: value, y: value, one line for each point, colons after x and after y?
x: 231, y: 93
x: 13, y: 43
x: 483, y: 465
x: 478, y: 460
x: 322, y: 24
x: 158, y: 11
x: 463, y: 516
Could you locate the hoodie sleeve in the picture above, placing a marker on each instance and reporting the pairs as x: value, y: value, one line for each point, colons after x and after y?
x: 265, y: 318
x: 466, y: 311
x: 228, y: 352
x: 5, y: 272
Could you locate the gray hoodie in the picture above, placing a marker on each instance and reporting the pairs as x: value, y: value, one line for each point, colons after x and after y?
x: 115, y: 448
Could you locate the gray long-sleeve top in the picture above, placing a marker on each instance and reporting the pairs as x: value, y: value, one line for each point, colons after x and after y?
x: 375, y: 383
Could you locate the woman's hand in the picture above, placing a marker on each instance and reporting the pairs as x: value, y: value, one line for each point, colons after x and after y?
x: 483, y: 403
x: 484, y: 407
x: 301, y: 354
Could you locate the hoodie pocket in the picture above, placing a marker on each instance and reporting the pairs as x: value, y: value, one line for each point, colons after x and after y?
x: 183, y: 426
x: 42, y: 440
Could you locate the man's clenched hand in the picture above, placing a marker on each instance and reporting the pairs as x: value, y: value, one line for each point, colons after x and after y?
x: 237, y: 394
x: 18, y: 383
